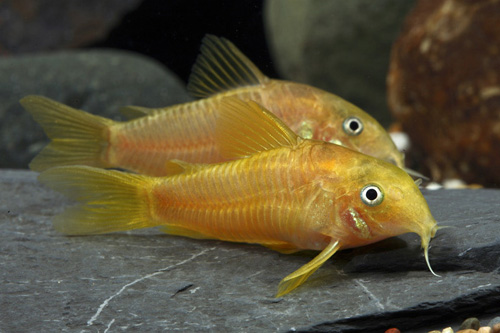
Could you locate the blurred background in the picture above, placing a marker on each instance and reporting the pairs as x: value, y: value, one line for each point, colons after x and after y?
x: 427, y: 69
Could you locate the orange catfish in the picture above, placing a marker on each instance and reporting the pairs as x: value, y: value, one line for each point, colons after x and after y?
x: 186, y: 131
x: 284, y: 192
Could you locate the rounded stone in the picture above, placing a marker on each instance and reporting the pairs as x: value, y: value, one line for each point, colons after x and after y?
x: 470, y: 323
x: 494, y: 321
x: 40, y: 25
x: 97, y: 81
x: 444, y: 88
x: 393, y: 330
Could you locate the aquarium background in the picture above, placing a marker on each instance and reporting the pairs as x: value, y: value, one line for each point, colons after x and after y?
x: 101, y: 55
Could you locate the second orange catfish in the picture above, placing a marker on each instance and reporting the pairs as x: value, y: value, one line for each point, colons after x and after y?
x: 186, y: 131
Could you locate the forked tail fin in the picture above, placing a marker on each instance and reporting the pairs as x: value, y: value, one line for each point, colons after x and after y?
x: 108, y: 200
x: 77, y: 137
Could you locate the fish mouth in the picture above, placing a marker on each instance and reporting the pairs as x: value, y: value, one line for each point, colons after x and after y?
x: 426, y: 237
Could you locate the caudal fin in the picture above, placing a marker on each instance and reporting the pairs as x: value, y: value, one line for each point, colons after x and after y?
x: 108, y: 200
x: 77, y: 137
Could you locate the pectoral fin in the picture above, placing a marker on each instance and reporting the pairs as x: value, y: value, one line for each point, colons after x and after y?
x: 298, y: 277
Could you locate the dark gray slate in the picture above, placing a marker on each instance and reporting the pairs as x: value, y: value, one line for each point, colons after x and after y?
x: 148, y: 281
x: 97, y: 81
x: 340, y: 46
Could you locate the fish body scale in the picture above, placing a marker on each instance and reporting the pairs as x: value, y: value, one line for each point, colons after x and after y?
x: 250, y: 200
x: 182, y: 133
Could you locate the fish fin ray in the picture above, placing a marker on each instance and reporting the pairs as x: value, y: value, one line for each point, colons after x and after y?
x: 415, y: 174
x: 177, y: 167
x: 134, y: 112
x: 298, y: 277
x: 184, y: 232
x: 77, y: 137
x: 221, y: 66
x: 108, y: 200
x: 246, y: 128
x: 282, y: 247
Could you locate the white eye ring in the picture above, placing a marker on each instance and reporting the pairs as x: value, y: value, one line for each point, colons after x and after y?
x: 371, y: 195
x: 353, y: 126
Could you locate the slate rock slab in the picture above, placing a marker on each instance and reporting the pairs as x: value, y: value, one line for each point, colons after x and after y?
x: 97, y: 81
x: 147, y: 281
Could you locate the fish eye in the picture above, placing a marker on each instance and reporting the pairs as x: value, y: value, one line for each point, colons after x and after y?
x: 371, y: 195
x: 353, y: 126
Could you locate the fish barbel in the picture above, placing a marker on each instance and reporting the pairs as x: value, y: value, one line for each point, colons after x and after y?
x: 186, y: 131
x: 284, y: 192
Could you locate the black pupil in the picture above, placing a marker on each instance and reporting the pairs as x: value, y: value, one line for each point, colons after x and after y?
x: 371, y: 194
x: 354, y: 125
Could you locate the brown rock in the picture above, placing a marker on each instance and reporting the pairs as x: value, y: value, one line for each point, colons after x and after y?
x: 393, y: 330
x: 472, y: 323
x: 444, y: 88
x: 40, y: 25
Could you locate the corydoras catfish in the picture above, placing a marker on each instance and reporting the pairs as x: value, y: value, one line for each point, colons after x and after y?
x: 186, y: 131
x: 284, y: 192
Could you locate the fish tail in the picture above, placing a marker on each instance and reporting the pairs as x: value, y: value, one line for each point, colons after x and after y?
x: 77, y: 137
x: 108, y: 200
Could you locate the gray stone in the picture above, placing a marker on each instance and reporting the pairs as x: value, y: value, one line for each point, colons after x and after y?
x: 494, y: 322
x: 340, y: 46
x: 41, y: 25
x: 147, y: 281
x: 470, y: 323
x: 97, y: 81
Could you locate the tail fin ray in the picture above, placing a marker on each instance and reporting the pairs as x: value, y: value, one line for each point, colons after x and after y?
x: 77, y: 137
x: 109, y: 200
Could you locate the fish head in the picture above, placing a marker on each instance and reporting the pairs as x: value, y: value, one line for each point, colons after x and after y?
x: 347, y: 125
x: 375, y: 200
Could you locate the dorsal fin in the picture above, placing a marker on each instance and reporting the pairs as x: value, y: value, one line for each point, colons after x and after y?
x: 176, y: 167
x: 221, y: 67
x: 246, y: 128
x: 133, y: 112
